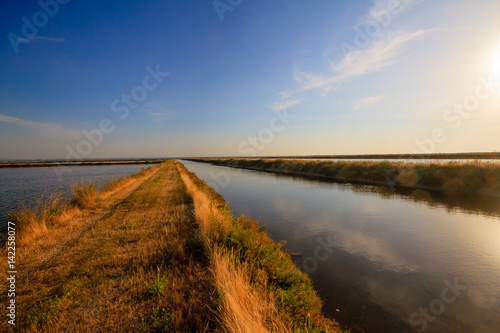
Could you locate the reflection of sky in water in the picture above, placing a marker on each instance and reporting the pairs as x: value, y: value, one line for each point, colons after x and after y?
x: 440, y: 161
x: 396, y: 252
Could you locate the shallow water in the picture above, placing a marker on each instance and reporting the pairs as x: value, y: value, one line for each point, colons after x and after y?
x: 381, y: 263
x: 20, y: 186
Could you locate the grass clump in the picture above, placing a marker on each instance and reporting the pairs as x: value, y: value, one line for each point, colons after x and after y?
x: 157, y: 320
x: 85, y: 195
x: 158, y: 285
x: 33, y: 222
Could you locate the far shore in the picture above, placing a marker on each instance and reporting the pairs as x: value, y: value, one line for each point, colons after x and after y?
x: 423, y: 156
x: 27, y: 164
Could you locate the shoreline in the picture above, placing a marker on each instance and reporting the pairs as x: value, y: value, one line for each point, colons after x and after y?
x: 452, y: 179
x: 30, y: 164
x: 422, y: 156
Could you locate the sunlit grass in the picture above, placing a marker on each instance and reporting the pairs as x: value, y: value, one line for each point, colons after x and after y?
x: 84, y: 195
x: 278, y: 297
x: 33, y: 222
x: 452, y: 178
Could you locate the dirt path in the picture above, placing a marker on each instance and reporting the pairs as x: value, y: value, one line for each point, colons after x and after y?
x: 134, y: 264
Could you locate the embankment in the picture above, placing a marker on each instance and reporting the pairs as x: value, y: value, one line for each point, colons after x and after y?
x: 159, y: 251
x: 31, y: 164
x: 452, y: 179
x: 423, y: 156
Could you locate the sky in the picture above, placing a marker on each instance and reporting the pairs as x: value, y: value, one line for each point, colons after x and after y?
x: 119, y: 79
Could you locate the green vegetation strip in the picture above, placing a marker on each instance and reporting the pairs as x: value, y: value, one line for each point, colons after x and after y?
x: 453, y: 178
x: 270, y: 267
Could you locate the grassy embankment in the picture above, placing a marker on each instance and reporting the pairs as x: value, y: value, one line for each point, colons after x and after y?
x: 454, y: 179
x: 437, y: 156
x: 156, y: 252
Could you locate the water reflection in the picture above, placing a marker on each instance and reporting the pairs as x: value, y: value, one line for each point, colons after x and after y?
x: 387, y: 255
x: 480, y: 204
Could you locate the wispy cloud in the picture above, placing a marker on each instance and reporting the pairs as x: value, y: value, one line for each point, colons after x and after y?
x: 161, y: 117
x: 278, y: 106
x: 159, y: 112
x: 379, y: 55
x: 43, y: 129
x: 42, y: 39
x: 383, y: 6
x: 368, y: 100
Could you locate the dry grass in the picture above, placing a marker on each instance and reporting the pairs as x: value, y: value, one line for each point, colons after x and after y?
x: 453, y: 179
x: 157, y: 255
x: 85, y: 195
x: 139, y: 266
x: 260, y: 288
x: 33, y: 222
x: 241, y: 310
x: 52, y: 211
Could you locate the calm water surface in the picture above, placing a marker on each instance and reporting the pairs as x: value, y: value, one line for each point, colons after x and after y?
x: 381, y: 264
x: 26, y: 185
x: 419, y: 160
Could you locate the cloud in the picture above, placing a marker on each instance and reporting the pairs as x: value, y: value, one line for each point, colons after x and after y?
x: 377, y: 56
x: 387, y: 7
x: 43, y: 129
x: 42, y: 38
x: 159, y: 112
x: 161, y: 117
x: 368, y: 100
x: 278, y: 106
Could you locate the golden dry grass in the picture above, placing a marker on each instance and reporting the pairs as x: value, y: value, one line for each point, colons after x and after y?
x: 242, y: 308
x: 454, y: 179
x: 153, y: 255
x: 33, y: 222
x: 248, y: 303
x: 102, y: 279
x: 84, y: 194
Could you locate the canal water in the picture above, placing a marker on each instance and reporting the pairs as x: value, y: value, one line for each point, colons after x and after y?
x: 20, y: 186
x: 406, y: 160
x: 380, y: 262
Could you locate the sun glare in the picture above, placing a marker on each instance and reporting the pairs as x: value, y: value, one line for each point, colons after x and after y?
x: 495, y: 62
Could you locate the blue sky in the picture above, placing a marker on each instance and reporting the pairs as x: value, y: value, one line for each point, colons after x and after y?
x: 356, y: 77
